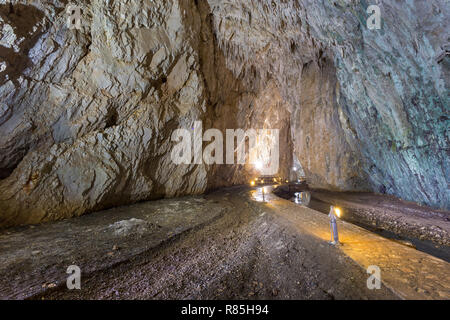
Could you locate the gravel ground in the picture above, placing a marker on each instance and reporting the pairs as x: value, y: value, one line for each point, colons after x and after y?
x: 246, y: 252
x: 34, y: 259
x: 225, y: 245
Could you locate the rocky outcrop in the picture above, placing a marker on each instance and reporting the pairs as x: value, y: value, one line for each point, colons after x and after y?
x: 327, y: 158
x: 390, y: 94
x: 96, y: 111
x: 88, y: 124
x: 393, y: 92
x: 86, y: 116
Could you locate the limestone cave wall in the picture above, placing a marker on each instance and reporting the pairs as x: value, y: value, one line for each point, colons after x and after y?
x: 86, y: 116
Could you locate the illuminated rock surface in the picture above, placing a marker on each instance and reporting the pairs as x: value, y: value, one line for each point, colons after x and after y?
x: 86, y: 116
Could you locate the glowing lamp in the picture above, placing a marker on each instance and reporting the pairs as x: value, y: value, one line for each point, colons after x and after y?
x: 338, y: 212
x: 252, y: 183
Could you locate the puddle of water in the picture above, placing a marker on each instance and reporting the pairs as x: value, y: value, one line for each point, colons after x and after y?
x: 263, y: 193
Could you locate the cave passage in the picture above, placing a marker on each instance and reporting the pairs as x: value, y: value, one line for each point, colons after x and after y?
x: 224, y: 150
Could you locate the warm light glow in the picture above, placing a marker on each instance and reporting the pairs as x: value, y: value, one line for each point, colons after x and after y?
x: 338, y: 212
x: 252, y: 183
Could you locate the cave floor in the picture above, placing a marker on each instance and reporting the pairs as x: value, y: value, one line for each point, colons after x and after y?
x: 224, y: 245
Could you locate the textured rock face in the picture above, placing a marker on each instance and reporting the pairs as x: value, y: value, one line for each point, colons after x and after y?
x: 86, y: 115
x: 390, y: 97
x: 328, y: 160
x: 88, y: 122
x: 393, y: 94
x: 94, y: 117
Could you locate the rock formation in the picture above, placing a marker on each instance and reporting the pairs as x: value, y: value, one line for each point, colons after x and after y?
x: 86, y: 116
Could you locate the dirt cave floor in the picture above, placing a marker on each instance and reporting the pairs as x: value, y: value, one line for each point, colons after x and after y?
x: 224, y: 245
